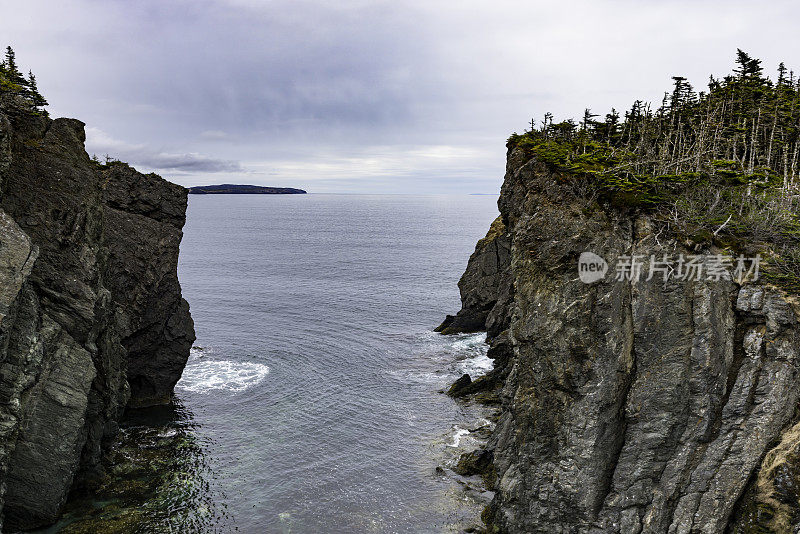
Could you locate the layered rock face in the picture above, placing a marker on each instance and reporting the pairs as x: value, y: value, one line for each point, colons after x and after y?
x: 143, y: 218
x: 91, y: 315
x: 642, y: 405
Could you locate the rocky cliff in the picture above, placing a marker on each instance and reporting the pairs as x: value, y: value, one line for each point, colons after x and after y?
x: 634, y: 405
x: 486, y: 296
x: 91, y: 314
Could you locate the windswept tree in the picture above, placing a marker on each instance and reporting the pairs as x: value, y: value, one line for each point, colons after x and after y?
x: 744, y: 123
x: 748, y: 66
x: 12, y: 71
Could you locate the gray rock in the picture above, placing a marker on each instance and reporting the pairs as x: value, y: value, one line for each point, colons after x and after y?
x: 143, y: 218
x: 485, y: 287
x: 17, y: 256
x: 461, y: 386
x: 50, y: 441
x: 20, y: 350
x: 642, y: 406
x: 90, y: 307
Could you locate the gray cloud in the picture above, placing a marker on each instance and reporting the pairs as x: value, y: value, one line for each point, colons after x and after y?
x: 147, y: 158
x: 338, y: 96
x: 217, y: 135
x: 190, y: 163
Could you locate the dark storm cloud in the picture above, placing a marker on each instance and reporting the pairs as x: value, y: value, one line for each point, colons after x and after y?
x: 400, y: 95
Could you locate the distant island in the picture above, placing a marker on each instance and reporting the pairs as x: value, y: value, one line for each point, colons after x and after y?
x: 238, y: 189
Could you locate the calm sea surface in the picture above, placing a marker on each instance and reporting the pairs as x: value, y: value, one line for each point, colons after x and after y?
x: 311, y: 402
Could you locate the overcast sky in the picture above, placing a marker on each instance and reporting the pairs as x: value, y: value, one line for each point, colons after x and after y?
x: 358, y: 96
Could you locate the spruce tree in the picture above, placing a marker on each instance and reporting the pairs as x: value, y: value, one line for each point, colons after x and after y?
x: 748, y: 66
x: 14, y: 83
x: 745, y: 128
x: 12, y: 72
x: 10, y: 61
x: 36, y: 97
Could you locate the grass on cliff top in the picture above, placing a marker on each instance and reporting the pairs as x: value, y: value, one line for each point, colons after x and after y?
x: 719, y: 165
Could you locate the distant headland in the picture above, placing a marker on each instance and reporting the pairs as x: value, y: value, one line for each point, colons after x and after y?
x: 239, y: 189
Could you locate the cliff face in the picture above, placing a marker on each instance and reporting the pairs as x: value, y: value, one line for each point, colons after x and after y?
x: 636, y: 406
x: 143, y: 218
x: 91, y: 316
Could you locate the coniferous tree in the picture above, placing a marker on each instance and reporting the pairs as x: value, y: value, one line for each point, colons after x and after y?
x: 10, y: 63
x: 748, y: 66
x: 14, y: 83
x: 12, y: 72
x: 36, y: 97
x: 781, y: 73
x: 744, y: 127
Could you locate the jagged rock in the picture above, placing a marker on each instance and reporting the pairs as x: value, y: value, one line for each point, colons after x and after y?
x: 634, y: 407
x: 89, y: 301
x: 477, y: 462
x: 461, y: 386
x: 485, y: 287
x: 486, y: 297
x: 50, y: 441
x: 20, y: 354
x: 17, y: 256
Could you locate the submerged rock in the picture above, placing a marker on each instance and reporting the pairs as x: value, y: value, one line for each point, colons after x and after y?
x: 477, y: 462
x: 461, y: 386
x: 157, y: 481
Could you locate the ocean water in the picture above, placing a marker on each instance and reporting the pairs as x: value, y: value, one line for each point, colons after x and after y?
x: 312, y: 399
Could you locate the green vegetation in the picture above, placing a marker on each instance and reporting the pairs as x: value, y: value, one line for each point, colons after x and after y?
x: 107, y: 162
x: 720, y: 165
x: 12, y: 82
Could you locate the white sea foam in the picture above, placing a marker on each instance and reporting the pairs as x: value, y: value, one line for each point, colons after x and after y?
x: 476, y: 366
x: 483, y: 422
x: 473, y: 361
x: 422, y: 377
x: 457, y: 435
x: 470, y: 343
x: 204, y: 374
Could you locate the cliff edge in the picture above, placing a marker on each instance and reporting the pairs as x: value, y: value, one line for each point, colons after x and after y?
x: 91, y: 314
